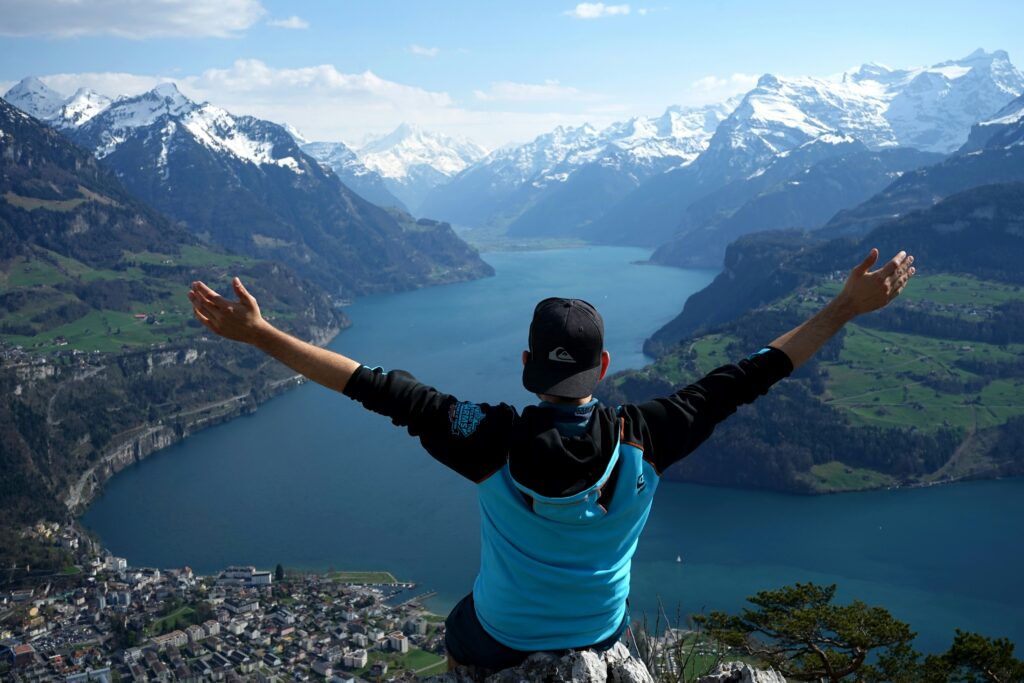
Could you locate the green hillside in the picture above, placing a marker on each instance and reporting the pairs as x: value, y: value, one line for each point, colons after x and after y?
x: 898, y: 383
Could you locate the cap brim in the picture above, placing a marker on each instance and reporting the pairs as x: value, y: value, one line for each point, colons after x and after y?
x: 541, y: 380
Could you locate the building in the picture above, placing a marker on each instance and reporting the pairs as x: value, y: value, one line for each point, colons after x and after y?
x: 244, y: 576
x: 416, y: 627
x: 21, y: 656
x: 115, y: 564
x: 175, y: 638
x: 195, y: 632
x: 355, y: 659
x: 398, y: 642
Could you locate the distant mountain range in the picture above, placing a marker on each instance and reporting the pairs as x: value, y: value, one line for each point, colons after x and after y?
x: 793, y: 152
x: 930, y: 109
x: 561, y: 181
x: 245, y: 184
x: 413, y: 161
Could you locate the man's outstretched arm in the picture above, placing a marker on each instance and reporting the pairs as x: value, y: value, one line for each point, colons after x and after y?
x: 241, y: 321
x: 863, y: 292
x: 678, y: 424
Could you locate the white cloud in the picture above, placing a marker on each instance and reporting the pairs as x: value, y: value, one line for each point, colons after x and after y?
x: 714, y: 88
x: 129, y: 18
x: 596, y: 10
x: 509, y: 91
x: 421, y: 51
x: 292, y: 22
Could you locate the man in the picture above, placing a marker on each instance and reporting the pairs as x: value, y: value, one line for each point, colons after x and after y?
x: 565, y: 487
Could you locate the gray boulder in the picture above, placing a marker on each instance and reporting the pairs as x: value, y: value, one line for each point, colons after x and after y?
x: 615, y: 665
x: 741, y: 672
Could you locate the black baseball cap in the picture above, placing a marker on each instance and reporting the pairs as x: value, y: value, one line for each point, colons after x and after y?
x: 566, y: 341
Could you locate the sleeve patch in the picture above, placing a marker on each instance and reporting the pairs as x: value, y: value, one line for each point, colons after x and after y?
x: 465, y: 418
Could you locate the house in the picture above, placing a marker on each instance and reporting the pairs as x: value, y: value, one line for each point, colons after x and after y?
x: 323, y: 667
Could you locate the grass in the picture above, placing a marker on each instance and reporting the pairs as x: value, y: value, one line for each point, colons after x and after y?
x: 413, y: 660
x: 877, y: 381
x: 105, y: 331
x: 836, y: 476
x: 362, y: 577
x: 47, y: 279
x: 174, y: 619
x: 891, y: 379
x: 32, y: 203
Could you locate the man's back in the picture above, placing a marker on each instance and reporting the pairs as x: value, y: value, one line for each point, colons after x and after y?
x: 564, y: 490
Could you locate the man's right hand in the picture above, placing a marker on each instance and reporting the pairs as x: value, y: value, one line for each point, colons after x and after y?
x: 238, y: 320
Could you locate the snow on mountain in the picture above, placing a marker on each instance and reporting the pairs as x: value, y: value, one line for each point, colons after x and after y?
x: 930, y: 108
x: 34, y: 97
x: 413, y: 161
x: 408, y: 146
x: 936, y: 107
x: 166, y: 109
x: 679, y: 135
x: 81, y: 107
x: 1011, y: 113
x: 346, y: 165
x: 582, y: 166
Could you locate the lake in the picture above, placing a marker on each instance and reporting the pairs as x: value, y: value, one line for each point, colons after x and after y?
x: 313, y: 481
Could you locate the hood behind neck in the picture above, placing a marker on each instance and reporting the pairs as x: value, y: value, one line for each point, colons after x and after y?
x: 554, y: 465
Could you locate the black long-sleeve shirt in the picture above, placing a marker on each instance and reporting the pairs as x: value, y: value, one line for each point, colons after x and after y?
x: 476, y: 439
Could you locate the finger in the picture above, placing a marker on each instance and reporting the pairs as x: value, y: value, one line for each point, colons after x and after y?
x: 208, y: 310
x: 204, y: 320
x: 890, y: 267
x: 212, y: 296
x: 243, y: 294
x: 863, y: 266
x: 196, y: 297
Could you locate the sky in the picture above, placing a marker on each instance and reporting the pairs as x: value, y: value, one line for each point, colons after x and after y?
x: 496, y: 72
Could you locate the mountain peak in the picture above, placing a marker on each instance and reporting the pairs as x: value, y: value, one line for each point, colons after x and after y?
x: 34, y: 97
x: 408, y: 145
x: 980, y: 55
x: 169, y: 91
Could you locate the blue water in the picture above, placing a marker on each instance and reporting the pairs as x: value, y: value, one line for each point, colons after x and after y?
x: 313, y: 481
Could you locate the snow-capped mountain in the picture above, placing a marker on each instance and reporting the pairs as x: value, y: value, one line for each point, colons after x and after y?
x: 244, y: 137
x: 81, y: 107
x: 930, y: 109
x: 245, y: 184
x: 993, y: 154
x: 34, y: 97
x: 353, y: 172
x: 1005, y: 129
x: 527, y: 187
x: 413, y: 161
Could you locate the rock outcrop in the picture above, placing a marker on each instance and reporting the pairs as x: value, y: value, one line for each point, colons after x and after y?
x: 741, y: 672
x: 615, y: 665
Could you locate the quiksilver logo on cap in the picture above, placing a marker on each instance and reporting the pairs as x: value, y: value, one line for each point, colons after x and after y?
x: 561, y: 355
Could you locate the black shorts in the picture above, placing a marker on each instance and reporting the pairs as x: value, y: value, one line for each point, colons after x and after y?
x: 468, y: 643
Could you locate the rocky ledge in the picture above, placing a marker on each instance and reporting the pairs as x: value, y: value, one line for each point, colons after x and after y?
x: 613, y: 666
